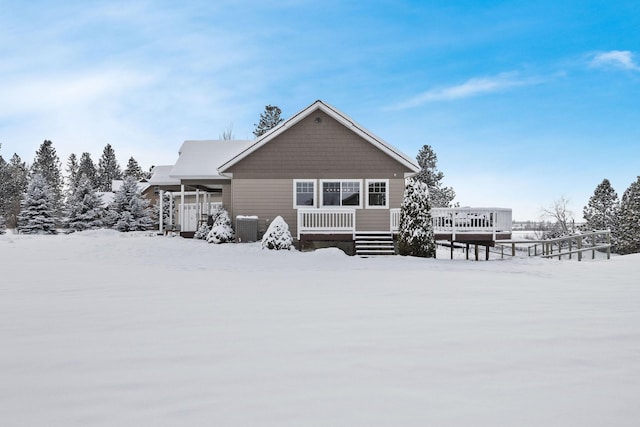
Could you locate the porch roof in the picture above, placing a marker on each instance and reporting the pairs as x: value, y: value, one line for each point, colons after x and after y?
x: 160, y: 176
x: 200, y: 159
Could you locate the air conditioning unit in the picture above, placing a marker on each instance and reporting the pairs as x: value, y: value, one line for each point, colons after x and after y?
x: 246, y: 229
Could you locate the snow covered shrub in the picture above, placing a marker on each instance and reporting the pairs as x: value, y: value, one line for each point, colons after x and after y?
x: 202, y: 232
x: 38, y: 214
x: 277, y: 235
x: 221, y: 230
x: 415, y: 234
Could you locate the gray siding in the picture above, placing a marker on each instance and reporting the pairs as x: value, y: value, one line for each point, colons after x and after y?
x: 318, y: 150
x: 268, y: 198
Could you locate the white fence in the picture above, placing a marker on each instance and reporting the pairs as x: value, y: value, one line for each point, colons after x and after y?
x: 326, y: 221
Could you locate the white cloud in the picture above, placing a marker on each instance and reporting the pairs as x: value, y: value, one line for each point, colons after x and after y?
x: 472, y: 87
x: 616, y: 59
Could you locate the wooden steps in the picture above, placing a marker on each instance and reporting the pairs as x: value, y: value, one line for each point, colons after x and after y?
x: 374, y: 243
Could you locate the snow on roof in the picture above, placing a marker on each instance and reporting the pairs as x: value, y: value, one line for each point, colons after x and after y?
x: 160, y: 176
x: 201, y: 159
x: 116, y: 184
x: 340, y: 117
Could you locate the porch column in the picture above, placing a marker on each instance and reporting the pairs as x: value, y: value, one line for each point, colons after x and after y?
x: 161, y: 213
x: 171, y: 208
x: 198, y: 209
x: 181, y: 206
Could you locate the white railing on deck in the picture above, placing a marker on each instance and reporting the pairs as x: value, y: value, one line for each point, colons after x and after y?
x: 471, y: 220
x: 326, y: 221
x: 394, y: 219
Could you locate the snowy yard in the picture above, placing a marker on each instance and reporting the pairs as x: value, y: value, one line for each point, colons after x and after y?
x: 112, y: 329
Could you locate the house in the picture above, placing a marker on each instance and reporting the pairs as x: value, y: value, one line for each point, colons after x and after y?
x: 326, y: 175
x: 333, y: 181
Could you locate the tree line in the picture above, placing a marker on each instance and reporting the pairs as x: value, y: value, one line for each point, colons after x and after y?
x: 39, y: 198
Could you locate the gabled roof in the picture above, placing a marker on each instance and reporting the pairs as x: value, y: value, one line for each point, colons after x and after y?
x: 200, y: 159
x: 337, y: 115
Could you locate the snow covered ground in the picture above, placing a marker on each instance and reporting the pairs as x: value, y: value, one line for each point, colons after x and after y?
x: 113, y: 329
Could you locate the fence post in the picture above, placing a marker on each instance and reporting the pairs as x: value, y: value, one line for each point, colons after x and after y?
x: 570, y: 247
x: 579, y: 247
x: 593, y: 243
x: 609, y: 244
x: 513, y: 249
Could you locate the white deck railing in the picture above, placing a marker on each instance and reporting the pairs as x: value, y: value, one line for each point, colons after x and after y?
x: 394, y: 220
x: 471, y: 220
x: 326, y: 221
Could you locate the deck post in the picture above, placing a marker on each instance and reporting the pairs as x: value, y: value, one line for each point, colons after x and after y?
x: 451, y: 249
x: 580, y: 247
x: 475, y: 249
x: 487, y: 253
x: 181, y: 207
x: 570, y: 247
x: 467, y: 251
x: 608, y: 244
x: 513, y: 249
x: 593, y: 244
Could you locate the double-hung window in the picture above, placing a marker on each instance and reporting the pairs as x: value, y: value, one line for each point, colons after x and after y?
x: 304, y: 193
x: 341, y: 193
x: 377, y: 193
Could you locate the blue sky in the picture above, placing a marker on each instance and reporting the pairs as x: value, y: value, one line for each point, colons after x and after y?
x: 523, y: 102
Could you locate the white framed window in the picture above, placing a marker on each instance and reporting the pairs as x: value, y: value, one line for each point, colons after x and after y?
x: 304, y: 193
x: 377, y: 193
x: 341, y: 193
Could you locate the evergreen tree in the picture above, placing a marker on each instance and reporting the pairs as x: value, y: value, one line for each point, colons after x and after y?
x: 84, y: 207
x: 16, y: 173
x: 108, y: 169
x: 603, y: 211
x: 268, y: 120
x: 415, y: 234
x: 4, y: 185
x: 47, y: 164
x: 72, y: 173
x: 38, y: 213
x: 133, y: 169
x: 277, y: 236
x: 221, y: 230
x: 129, y: 211
x: 439, y: 196
x: 87, y: 168
x: 629, y: 235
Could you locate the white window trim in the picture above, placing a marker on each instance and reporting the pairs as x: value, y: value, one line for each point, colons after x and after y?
x: 315, y: 193
x: 321, y: 193
x: 386, y: 195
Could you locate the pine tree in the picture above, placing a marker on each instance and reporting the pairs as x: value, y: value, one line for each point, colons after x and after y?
x: 16, y: 172
x: 603, y: 211
x: 629, y: 235
x: 268, y: 120
x: 133, y: 169
x: 38, y: 213
x: 47, y: 164
x: 108, y: 169
x: 439, y: 196
x: 4, y: 185
x: 84, y: 207
x: 87, y: 168
x: 129, y: 210
x: 72, y: 173
x: 415, y: 233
